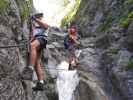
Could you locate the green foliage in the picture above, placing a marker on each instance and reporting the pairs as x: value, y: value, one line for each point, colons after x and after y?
x: 24, y: 13
x: 23, y: 8
x: 129, y: 2
x: 114, y: 51
x: 66, y: 2
x: 3, y: 4
x: 125, y: 21
x: 122, y: 18
x: 69, y: 17
x: 130, y: 64
x: 106, y: 24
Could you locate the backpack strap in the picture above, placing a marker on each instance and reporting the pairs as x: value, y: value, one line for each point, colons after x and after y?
x: 66, y: 42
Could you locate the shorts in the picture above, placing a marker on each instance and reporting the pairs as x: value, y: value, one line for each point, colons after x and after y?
x: 71, y: 53
x: 42, y: 41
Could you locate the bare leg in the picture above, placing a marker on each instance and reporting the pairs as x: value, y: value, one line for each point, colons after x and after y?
x: 72, y: 58
x: 35, y: 46
x: 38, y: 69
x: 33, y: 55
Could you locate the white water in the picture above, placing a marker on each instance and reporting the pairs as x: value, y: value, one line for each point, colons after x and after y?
x: 66, y: 82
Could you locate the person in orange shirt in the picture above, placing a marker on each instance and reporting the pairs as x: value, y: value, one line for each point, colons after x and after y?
x: 70, y: 43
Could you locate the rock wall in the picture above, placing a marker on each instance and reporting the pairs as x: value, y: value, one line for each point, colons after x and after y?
x: 106, y: 61
x: 110, y: 24
x: 13, y: 18
x: 98, y: 16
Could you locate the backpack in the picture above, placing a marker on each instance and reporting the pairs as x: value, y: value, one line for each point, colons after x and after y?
x: 66, y: 42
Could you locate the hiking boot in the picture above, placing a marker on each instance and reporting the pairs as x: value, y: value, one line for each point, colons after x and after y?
x: 39, y: 87
x: 72, y: 67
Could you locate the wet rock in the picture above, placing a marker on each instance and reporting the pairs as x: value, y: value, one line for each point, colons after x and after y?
x: 122, y: 78
x: 94, y: 78
x: 103, y: 41
x: 129, y: 39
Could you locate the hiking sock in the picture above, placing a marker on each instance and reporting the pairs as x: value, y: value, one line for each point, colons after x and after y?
x: 38, y: 87
x: 41, y: 81
x: 31, y: 67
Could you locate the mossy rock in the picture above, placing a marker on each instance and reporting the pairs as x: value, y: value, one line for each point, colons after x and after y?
x: 107, y: 22
x: 130, y: 65
x: 24, y: 8
x: 24, y: 12
x: 129, y: 2
x: 125, y: 21
x: 114, y: 51
x: 3, y: 4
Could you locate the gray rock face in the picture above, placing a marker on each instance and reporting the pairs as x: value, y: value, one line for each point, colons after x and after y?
x: 89, y: 16
x: 95, y: 83
x: 103, y: 20
x: 129, y: 39
x: 12, y: 87
x: 95, y: 17
x: 121, y: 78
x: 103, y: 62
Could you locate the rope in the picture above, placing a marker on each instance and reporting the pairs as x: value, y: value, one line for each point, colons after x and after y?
x: 25, y: 43
x: 12, y: 46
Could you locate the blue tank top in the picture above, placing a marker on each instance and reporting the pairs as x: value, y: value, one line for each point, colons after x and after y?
x: 37, y: 32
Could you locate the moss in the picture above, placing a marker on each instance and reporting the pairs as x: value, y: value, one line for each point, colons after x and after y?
x: 24, y: 13
x: 106, y: 24
x: 114, y: 51
x: 125, y: 21
x: 129, y: 2
x: 121, y: 18
x: 130, y: 65
x: 3, y: 4
x: 23, y: 8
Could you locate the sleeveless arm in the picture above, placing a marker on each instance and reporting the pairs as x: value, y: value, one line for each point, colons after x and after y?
x: 41, y: 23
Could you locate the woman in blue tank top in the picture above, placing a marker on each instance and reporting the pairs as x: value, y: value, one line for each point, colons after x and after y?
x: 38, y: 42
